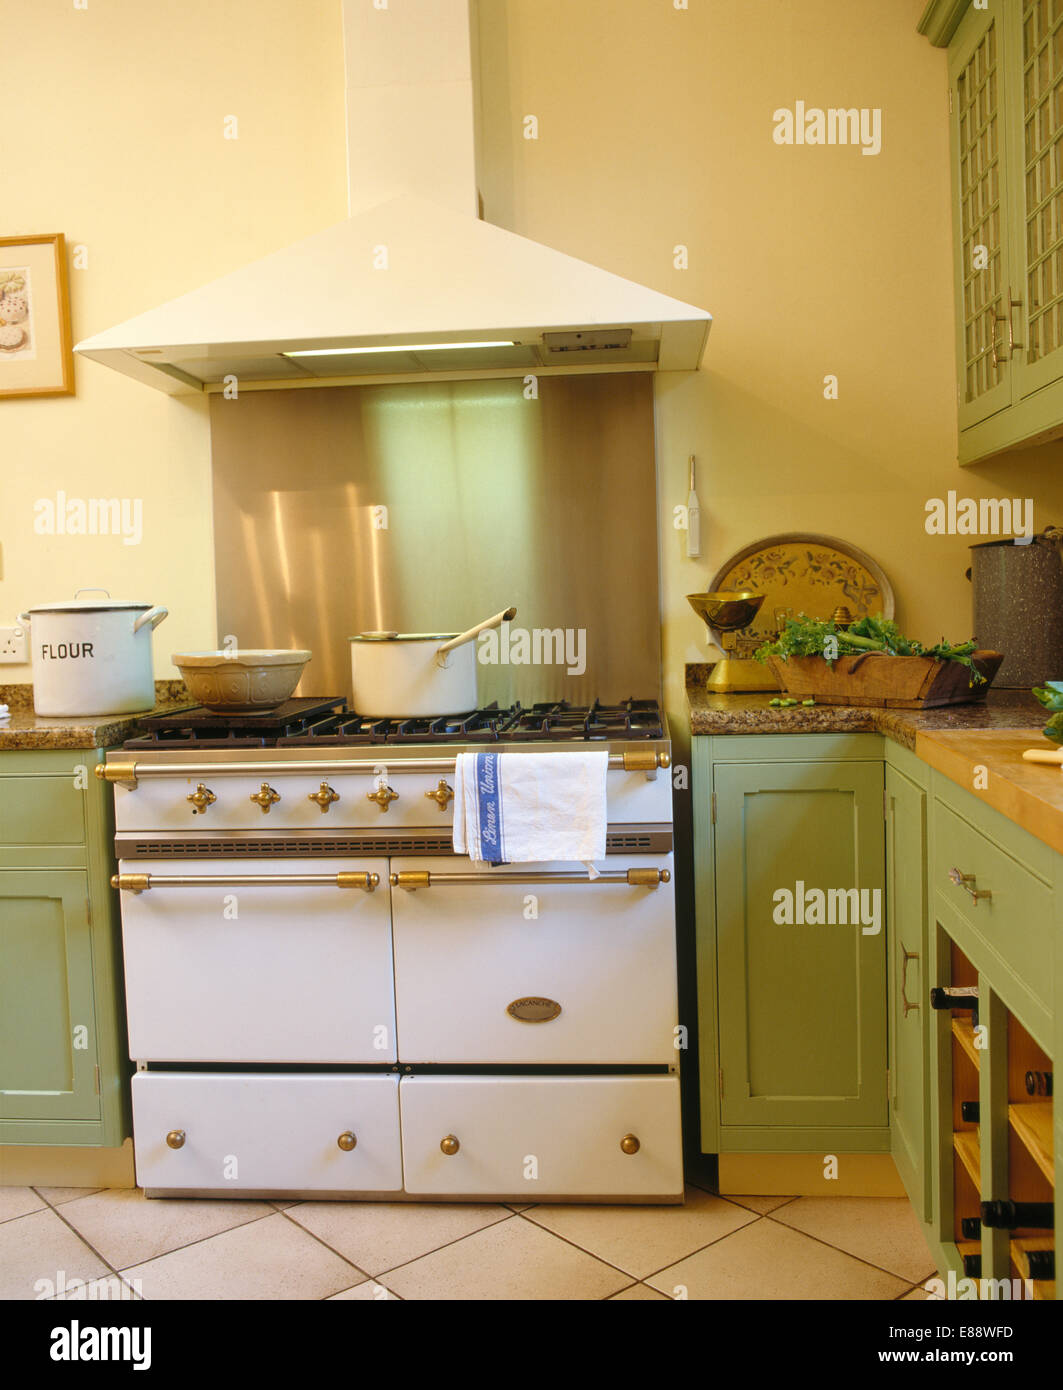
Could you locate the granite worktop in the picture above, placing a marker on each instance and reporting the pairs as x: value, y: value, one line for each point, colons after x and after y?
x: 25, y: 730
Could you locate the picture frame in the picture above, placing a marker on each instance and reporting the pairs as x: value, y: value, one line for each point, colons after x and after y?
x: 36, y: 353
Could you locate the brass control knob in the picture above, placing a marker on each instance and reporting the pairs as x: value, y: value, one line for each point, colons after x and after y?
x: 324, y: 798
x: 266, y: 798
x: 347, y: 1141
x: 630, y: 1144
x: 442, y: 796
x: 450, y: 1145
x: 176, y: 1139
x: 201, y: 798
x: 383, y: 796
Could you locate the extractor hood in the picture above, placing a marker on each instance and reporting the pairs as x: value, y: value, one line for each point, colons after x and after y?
x: 410, y: 287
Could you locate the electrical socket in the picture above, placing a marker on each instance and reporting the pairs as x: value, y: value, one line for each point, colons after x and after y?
x: 14, y: 646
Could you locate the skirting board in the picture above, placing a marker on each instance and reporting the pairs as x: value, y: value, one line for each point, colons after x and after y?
x: 806, y: 1175
x: 27, y: 1165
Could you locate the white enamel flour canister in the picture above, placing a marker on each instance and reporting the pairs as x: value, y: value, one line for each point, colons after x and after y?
x: 92, y: 655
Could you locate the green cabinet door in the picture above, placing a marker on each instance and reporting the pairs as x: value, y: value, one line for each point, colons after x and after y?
x: 48, y: 1044
x: 907, y: 941
x: 802, y: 1005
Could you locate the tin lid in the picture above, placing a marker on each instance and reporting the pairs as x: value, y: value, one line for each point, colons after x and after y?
x: 89, y: 605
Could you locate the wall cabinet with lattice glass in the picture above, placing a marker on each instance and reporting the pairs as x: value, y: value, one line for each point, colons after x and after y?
x: 1006, y: 110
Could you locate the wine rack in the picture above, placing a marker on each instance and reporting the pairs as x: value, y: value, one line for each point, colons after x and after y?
x: 966, y: 1141
x: 1030, y: 1150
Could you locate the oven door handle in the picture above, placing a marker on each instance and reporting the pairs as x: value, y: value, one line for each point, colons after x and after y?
x: 412, y: 879
x: 140, y: 883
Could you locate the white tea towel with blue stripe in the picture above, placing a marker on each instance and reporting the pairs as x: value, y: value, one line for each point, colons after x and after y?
x: 530, y: 808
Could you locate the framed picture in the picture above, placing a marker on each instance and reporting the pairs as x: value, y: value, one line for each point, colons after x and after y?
x: 35, y: 350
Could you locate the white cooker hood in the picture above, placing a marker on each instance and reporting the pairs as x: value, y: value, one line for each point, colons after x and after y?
x: 413, y: 286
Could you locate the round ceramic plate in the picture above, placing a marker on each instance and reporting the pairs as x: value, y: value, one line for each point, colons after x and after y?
x: 803, y: 573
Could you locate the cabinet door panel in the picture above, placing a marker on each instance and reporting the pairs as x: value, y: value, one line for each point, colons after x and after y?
x: 802, y: 1006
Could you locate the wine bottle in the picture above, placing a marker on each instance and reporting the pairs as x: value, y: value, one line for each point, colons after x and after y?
x: 969, y: 1111
x: 1038, y: 1083
x: 972, y: 1266
x: 971, y: 1228
x: 956, y: 997
x: 1009, y: 1216
x: 1041, y: 1263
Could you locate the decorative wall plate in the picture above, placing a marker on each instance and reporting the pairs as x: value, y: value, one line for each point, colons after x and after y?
x: 799, y: 572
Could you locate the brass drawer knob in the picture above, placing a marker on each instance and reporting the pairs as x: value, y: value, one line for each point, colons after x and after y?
x: 266, y: 797
x: 176, y: 1139
x: 383, y: 796
x: 968, y: 883
x: 630, y: 1144
x: 347, y: 1141
x: 442, y: 796
x: 450, y: 1145
x: 324, y: 798
x: 201, y: 798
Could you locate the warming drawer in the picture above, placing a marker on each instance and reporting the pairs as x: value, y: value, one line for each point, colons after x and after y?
x: 529, y: 1138
x: 265, y: 1133
x: 508, y: 969
x: 268, y: 971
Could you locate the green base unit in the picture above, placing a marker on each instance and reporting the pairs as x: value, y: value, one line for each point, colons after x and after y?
x: 789, y: 852
x: 64, y: 1068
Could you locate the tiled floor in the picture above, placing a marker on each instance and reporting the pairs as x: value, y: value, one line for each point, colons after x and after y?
x: 711, y: 1248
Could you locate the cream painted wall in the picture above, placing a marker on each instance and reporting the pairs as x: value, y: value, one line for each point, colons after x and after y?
x: 111, y: 131
x: 656, y: 129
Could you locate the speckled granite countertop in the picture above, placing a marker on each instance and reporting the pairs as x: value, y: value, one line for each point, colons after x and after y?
x: 26, y: 730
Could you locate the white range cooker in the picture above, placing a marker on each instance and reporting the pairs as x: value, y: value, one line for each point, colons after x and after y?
x: 324, y: 1000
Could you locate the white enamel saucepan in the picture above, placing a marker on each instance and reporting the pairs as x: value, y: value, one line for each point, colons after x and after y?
x: 414, y: 675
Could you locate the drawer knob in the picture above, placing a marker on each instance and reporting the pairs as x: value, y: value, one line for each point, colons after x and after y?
x: 266, y: 797
x: 630, y: 1144
x: 347, y: 1141
x: 324, y: 798
x: 176, y: 1139
x: 201, y: 798
x: 968, y: 883
x: 450, y: 1145
x: 383, y: 796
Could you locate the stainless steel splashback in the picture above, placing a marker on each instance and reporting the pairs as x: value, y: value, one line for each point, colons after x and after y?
x: 426, y: 508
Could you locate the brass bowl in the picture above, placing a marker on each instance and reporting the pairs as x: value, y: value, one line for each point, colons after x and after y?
x: 728, y: 610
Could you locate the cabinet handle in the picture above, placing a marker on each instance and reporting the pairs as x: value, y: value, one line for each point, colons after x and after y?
x: 967, y: 882
x: 906, y: 957
x: 994, y: 319
x: 347, y: 1141
x: 1013, y: 304
x: 630, y: 1144
x: 450, y: 1145
x: 176, y: 1139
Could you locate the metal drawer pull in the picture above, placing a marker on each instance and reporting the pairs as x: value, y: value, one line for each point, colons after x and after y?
x: 265, y: 797
x: 347, y: 1141
x: 907, y: 956
x: 630, y: 1144
x: 450, y: 1145
x: 201, y: 798
x: 412, y: 879
x: 967, y: 883
x: 324, y: 797
x: 140, y: 883
x: 176, y: 1139
x: 443, y: 794
x: 128, y: 774
x: 383, y: 796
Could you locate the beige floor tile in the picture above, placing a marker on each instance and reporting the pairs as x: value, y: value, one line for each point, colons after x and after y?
x: 369, y: 1292
x: 769, y: 1261
x: 283, y: 1206
x: 127, y: 1228
x: 510, y: 1260
x: 41, y: 1247
x: 641, y: 1293
x: 267, y: 1259
x: 18, y: 1201
x: 377, y: 1236
x: 58, y: 1195
x: 884, y: 1231
x: 644, y: 1239
x: 520, y: 1206
x: 761, y: 1204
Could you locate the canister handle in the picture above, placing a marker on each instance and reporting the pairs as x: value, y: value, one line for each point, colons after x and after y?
x: 154, y: 616
x: 92, y: 589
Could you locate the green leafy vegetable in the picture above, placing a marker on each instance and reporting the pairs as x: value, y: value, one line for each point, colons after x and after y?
x: 1051, y: 696
x: 805, y: 636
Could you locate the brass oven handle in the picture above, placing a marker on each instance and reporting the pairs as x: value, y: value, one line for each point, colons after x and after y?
x: 450, y: 1145
x: 383, y: 796
x: 201, y: 798
x: 265, y: 797
x: 128, y: 773
x: 176, y: 1139
x: 443, y: 794
x: 324, y: 797
x: 967, y: 882
x: 412, y: 879
x: 347, y: 1141
x: 140, y: 883
x: 907, y: 956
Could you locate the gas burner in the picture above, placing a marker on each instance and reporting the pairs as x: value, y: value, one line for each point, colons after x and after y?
x: 634, y: 719
x: 198, y: 727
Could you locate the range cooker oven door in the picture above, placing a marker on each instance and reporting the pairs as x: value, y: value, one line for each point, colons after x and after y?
x: 513, y: 968
x: 267, y: 970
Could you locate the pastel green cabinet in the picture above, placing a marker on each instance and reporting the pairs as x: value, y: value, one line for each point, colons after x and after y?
x: 795, y: 1033
x: 64, y: 1071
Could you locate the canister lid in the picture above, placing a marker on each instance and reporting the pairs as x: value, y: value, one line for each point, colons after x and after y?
x: 89, y: 605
